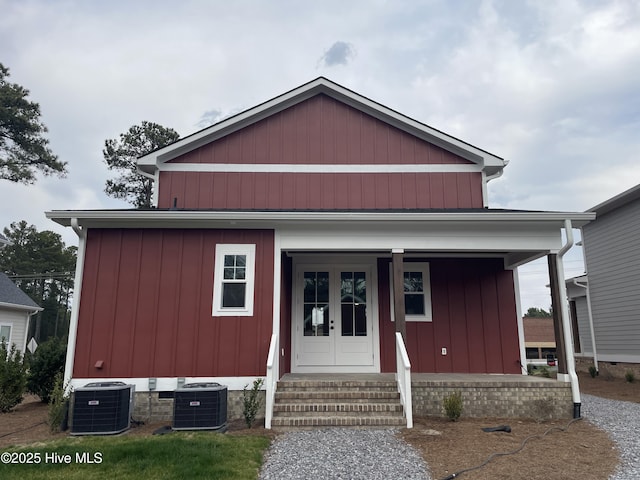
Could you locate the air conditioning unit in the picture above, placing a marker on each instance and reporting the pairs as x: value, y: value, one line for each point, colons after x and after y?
x: 102, y: 408
x: 200, y: 406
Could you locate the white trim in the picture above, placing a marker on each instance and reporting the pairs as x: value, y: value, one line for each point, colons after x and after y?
x: 521, y: 340
x: 336, y: 263
x: 422, y: 267
x: 277, y: 280
x: 75, y: 306
x: 159, y: 218
x: 249, y: 251
x: 16, y: 306
x: 170, y: 383
x: 318, y: 168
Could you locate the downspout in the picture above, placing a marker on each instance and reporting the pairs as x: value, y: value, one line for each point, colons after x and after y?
x: 566, y: 325
x: 75, y: 307
x: 485, y: 180
x: 590, y: 316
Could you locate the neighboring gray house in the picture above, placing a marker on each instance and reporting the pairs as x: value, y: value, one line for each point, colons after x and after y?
x: 612, y: 258
x: 16, y: 307
x: 579, y: 312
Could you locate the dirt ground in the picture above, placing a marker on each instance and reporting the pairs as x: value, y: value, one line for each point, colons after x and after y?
x: 581, y: 452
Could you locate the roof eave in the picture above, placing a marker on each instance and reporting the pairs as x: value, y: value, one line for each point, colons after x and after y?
x: 17, y: 306
x: 140, y: 217
x: 617, y: 201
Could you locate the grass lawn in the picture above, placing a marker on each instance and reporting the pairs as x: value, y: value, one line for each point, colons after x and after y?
x: 187, y: 455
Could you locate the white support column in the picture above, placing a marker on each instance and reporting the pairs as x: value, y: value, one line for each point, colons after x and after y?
x: 523, y: 351
x: 75, y: 307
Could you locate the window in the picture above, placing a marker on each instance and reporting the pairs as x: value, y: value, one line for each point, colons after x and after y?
x: 5, y: 333
x: 417, y: 292
x: 234, y: 280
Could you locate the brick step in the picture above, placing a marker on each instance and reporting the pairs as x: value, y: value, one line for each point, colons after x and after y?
x: 336, y: 421
x: 332, y: 399
x: 330, y: 394
x: 337, y: 386
x: 360, y: 408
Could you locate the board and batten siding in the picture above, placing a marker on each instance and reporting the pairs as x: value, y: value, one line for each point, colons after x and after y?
x: 320, y: 191
x: 474, y: 318
x: 320, y: 131
x: 612, y: 251
x: 146, y: 307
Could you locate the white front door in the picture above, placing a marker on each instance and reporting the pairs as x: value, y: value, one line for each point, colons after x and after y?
x: 333, y: 318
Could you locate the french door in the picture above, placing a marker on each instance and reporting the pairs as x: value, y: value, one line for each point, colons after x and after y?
x: 332, y: 324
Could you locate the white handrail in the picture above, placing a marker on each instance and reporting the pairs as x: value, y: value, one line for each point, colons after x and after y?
x: 403, y: 376
x: 273, y: 372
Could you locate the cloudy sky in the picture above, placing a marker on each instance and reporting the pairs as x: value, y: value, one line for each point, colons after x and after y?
x: 554, y: 87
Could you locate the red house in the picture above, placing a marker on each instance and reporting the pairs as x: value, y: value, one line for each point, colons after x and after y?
x: 298, y: 237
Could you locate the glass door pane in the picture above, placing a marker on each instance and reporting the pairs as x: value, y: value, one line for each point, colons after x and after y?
x: 316, y: 304
x: 353, y: 304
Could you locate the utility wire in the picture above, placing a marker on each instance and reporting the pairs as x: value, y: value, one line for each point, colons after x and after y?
x: 21, y: 430
x: 503, y: 454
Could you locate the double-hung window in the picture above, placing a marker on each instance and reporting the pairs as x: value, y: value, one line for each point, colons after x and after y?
x: 234, y: 280
x: 5, y: 333
x: 417, y: 292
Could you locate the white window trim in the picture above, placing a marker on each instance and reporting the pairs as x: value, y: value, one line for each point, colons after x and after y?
x: 10, y: 325
x: 426, y: 278
x: 250, y: 274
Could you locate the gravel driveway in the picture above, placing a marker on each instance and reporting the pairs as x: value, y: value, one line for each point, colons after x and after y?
x: 342, y: 453
x: 378, y: 454
x: 622, y: 421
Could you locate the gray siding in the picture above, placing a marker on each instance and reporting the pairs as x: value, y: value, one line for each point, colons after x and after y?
x: 612, y: 249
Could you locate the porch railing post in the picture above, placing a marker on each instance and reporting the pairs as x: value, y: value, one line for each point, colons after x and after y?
x: 403, y: 377
x: 273, y: 374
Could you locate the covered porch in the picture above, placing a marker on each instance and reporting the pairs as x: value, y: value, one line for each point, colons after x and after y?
x: 391, y: 242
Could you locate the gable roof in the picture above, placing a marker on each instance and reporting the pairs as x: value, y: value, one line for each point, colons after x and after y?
x: 3, y: 241
x: 618, y: 201
x: 491, y: 164
x: 12, y: 296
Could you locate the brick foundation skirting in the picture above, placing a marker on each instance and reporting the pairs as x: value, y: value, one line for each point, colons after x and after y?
x: 546, y: 401
x: 150, y: 408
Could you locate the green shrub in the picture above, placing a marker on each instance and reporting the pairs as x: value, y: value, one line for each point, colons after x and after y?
x: 58, y: 404
x: 593, y: 371
x: 630, y: 376
x: 45, y: 363
x: 453, y: 406
x: 13, y: 377
x: 544, y: 372
x: 251, y: 401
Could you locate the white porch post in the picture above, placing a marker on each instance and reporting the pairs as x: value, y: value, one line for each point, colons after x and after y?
x: 75, y: 307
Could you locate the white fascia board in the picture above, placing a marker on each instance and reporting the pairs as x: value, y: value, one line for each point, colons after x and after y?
x: 15, y: 306
x: 489, y: 162
x: 247, y: 219
x: 317, y: 168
